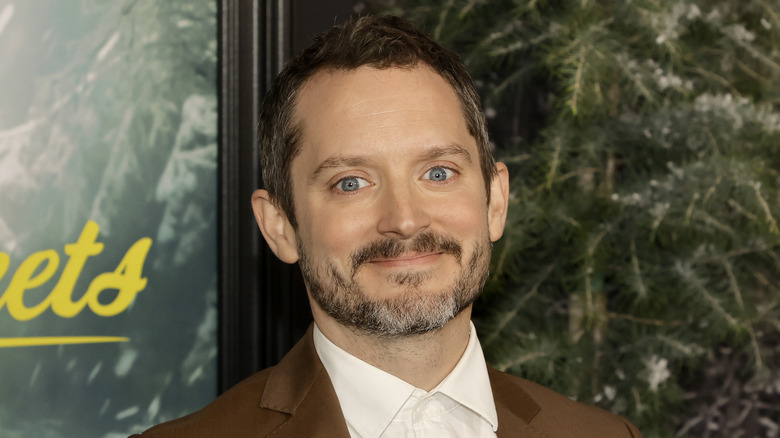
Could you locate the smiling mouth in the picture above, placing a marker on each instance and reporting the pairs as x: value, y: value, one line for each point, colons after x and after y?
x: 406, y: 260
x: 424, y: 249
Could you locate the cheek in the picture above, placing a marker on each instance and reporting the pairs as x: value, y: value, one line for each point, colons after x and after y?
x: 334, y: 233
x: 463, y: 215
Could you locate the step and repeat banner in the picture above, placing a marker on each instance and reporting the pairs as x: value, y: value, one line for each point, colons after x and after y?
x: 108, y: 185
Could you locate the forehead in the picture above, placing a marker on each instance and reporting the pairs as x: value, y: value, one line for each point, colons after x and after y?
x: 365, y: 107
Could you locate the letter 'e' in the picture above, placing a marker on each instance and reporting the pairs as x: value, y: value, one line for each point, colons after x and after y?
x: 127, y: 278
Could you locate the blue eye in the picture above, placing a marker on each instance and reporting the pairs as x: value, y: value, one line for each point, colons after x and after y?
x: 352, y: 183
x: 438, y: 174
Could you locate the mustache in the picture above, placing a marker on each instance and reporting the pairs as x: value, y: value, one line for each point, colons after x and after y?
x: 425, y: 242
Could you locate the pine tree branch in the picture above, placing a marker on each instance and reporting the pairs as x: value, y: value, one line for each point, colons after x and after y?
x: 502, y: 257
x: 772, y: 224
x: 731, y: 254
x: 646, y: 321
x: 712, y: 188
x: 718, y: 78
x: 499, y: 89
x: 763, y: 280
x: 521, y: 360
x: 583, y: 172
x: 657, y: 222
x: 708, y: 219
x: 734, y: 284
x: 635, y: 79
x: 759, y: 56
x: 467, y: 8
x: 589, y: 299
x: 516, y: 159
x: 519, y: 305
x: 637, y: 400
x: 741, y: 210
x: 554, y: 164
x: 750, y: 72
x: 687, y: 350
x: 740, y: 302
x: 577, y: 87
x: 637, y: 272
x: 495, y: 36
x: 442, y: 19
x: 692, y: 279
x: 689, y: 211
x: 771, y: 11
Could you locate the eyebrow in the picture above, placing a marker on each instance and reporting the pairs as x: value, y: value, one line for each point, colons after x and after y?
x: 431, y: 153
x: 443, y: 151
x: 339, y: 161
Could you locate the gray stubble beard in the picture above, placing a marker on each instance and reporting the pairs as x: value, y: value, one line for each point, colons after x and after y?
x: 415, y: 310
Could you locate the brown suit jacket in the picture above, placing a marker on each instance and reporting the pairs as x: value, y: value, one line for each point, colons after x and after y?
x: 296, y: 399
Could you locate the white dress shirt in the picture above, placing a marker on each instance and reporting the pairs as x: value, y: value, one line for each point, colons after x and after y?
x: 377, y: 404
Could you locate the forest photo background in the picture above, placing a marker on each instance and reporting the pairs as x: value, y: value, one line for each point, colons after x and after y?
x: 640, y: 268
x: 108, y: 121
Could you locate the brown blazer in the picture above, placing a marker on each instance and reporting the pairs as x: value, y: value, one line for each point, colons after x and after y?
x: 296, y: 399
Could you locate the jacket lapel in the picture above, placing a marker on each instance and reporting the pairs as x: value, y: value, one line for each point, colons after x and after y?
x: 300, y: 387
x: 514, y: 406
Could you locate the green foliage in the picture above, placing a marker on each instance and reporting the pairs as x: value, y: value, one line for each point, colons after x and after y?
x: 642, y: 138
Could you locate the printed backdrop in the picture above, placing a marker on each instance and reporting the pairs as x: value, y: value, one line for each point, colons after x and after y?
x: 107, y: 214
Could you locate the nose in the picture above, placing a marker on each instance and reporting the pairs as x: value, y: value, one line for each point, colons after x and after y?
x: 403, y: 212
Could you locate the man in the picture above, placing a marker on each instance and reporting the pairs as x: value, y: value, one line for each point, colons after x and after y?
x: 380, y: 182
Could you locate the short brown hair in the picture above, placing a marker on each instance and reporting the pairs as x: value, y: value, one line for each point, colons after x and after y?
x: 379, y: 42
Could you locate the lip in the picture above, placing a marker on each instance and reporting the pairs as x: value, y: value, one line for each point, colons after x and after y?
x: 407, y: 260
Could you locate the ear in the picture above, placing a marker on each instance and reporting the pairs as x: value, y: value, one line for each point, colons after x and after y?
x: 276, y: 229
x: 499, y: 202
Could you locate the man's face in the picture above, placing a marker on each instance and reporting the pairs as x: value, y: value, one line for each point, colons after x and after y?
x: 394, y: 227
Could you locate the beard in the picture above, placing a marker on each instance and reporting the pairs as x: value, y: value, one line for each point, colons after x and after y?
x: 415, y: 310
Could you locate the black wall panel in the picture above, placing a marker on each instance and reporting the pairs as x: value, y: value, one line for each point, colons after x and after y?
x: 263, y: 305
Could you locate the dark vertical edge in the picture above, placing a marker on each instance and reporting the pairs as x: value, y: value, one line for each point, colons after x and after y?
x: 285, y: 309
x: 263, y: 306
x: 256, y: 318
x: 238, y: 175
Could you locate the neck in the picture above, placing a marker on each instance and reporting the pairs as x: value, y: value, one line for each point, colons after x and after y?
x: 422, y: 360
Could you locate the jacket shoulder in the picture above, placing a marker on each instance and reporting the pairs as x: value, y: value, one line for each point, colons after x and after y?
x: 556, y: 415
x: 235, y: 413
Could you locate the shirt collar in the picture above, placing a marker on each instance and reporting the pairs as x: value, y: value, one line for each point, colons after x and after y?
x: 370, y: 398
x: 468, y: 383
